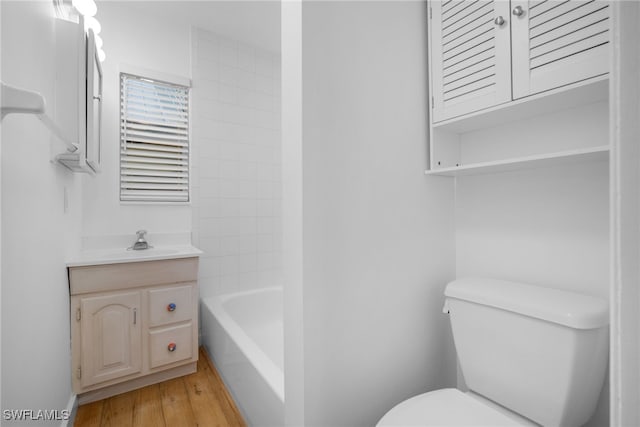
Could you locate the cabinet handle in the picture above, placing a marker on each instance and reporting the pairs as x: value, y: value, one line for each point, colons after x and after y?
x: 499, y: 21
x: 518, y: 11
x: 171, y: 307
x: 135, y: 316
x: 172, y: 346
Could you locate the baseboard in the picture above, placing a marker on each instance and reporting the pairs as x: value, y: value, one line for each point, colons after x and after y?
x: 143, y: 381
x: 72, y: 410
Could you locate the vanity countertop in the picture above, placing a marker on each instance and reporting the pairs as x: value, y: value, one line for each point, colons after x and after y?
x: 118, y: 256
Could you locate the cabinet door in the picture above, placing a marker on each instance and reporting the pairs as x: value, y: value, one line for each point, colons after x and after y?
x: 110, y: 333
x: 470, y: 56
x: 556, y: 43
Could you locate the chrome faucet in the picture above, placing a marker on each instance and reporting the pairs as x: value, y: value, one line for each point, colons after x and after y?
x: 140, y: 243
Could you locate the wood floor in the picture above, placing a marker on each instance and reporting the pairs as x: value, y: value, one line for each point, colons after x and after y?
x: 199, y: 399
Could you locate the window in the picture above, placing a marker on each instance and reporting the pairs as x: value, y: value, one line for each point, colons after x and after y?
x: 154, y: 140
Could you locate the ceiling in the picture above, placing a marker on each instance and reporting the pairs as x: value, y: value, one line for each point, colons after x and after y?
x: 253, y: 22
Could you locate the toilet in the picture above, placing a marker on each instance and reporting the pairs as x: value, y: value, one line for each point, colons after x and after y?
x: 529, y: 355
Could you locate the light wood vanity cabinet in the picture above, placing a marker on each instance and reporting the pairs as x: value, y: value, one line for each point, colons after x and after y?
x: 132, y: 324
x: 485, y: 53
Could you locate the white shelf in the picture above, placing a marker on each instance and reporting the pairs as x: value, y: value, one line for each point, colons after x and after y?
x: 600, y: 153
x: 585, y: 92
x: 16, y: 100
x: 21, y: 101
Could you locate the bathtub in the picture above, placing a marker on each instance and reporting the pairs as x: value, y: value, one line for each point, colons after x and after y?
x: 243, y: 334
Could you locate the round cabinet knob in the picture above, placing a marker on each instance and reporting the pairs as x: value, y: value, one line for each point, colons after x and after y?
x: 499, y: 21
x: 171, y: 307
x: 172, y: 346
x: 518, y: 11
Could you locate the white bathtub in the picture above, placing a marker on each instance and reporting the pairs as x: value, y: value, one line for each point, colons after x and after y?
x: 243, y: 333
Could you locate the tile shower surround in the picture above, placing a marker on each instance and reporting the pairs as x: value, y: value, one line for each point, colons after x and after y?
x: 236, y: 164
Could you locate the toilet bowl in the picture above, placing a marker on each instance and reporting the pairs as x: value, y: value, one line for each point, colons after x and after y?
x: 451, y: 407
x: 529, y: 355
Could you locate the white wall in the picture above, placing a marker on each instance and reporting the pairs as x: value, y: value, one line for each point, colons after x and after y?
x: 37, y: 231
x: 378, y: 235
x: 133, y: 37
x: 237, y: 168
x: 546, y: 226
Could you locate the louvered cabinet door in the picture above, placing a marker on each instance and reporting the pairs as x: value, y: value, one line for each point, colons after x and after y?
x: 470, y: 54
x: 556, y: 43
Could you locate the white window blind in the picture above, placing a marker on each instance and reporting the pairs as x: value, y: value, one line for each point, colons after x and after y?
x: 154, y: 140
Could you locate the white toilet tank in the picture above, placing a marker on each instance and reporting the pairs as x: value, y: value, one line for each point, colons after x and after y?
x: 539, y: 352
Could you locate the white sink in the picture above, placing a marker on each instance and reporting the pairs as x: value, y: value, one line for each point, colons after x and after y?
x: 114, y: 256
x: 143, y: 253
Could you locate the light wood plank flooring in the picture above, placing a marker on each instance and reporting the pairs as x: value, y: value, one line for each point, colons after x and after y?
x: 199, y: 399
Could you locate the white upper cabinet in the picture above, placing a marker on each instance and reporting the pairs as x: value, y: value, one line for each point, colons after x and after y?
x: 555, y: 43
x: 471, y: 63
x: 489, y: 52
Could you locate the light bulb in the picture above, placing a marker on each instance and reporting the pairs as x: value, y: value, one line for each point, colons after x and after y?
x: 85, y: 7
x: 99, y: 42
x: 101, y: 55
x: 91, y: 22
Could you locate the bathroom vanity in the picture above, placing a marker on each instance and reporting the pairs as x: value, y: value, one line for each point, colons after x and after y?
x: 134, y: 319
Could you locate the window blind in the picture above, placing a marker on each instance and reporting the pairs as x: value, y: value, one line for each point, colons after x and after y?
x: 154, y: 140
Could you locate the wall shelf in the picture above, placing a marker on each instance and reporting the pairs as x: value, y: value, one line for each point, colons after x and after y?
x: 600, y: 153
x: 21, y: 101
x: 574, y: 95
x: 16, y: 100
x: 564, y: 124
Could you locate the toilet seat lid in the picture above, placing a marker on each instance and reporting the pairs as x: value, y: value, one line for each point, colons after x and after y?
x: 447, y: 407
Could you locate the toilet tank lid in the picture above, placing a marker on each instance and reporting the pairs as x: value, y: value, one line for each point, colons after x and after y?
x: 566, y: 308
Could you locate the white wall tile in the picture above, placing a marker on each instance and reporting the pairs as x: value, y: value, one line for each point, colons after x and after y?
x: 247, y: 262
x: 265, y: 64
x: 209, y: 267
x: 237, y: 169
x: 229, y: 264
x: 246, y: 58
x: 268, y: 278
x: 265, y: 207
x: 265, y: 190
x: 227, y: 93
x: 207, y: 52
x: 228, y: 283
x: 265, y: 225
x: 266, y: 243
x: 245, y: 79
x: 228, y: 75
x: 246, y: 207
x: 236, y: 128
x: 208, y: 188
x: 210, y: 246
x: 204, y: 86
x: 265, y: 84
x: 229, y: 245
x: 247, y: 281
x: 228, y: 52
x: 247, y: 244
